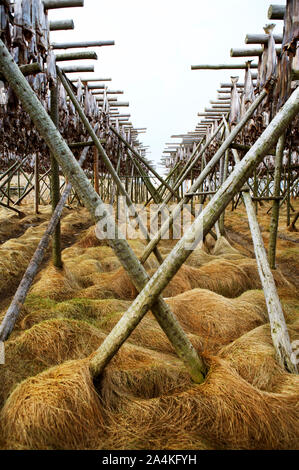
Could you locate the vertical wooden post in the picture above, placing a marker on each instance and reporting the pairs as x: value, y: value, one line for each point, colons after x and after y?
x: 96, y: 170
x: 255, y: 190
x: 36, y: 183
x: 289, y: 190
x: 275, y: 206
x: 55, y: 183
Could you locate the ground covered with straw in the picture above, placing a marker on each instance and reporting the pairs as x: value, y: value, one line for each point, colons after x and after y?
x: 145, y: 398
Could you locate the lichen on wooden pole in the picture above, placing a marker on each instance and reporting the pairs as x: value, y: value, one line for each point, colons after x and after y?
x: 93, y: 202
x: 275, y: 206
x: 203, y: 223
x: 279, y: 330
x: 55, y: 183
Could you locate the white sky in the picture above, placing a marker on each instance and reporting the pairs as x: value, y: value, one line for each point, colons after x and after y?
x: 156, y: 42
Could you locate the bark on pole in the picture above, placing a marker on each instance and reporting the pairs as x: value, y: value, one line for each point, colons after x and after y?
x: 194, y: 234
x: 141, y: 159
x: 279, y: 331
x: 105, y: 158
x: 206, y: 171
x: 60, y: 25
x: 223, y: 67
x: 96, y: 170
x: 275, y: 207
x: 19, y: 298
x: 36, y: 184
x: 262, y: 38
x: 74, y: 45
x: 53, y: 4
x: 276, y: 12
x: 93, y: 203
x: 55, y: 184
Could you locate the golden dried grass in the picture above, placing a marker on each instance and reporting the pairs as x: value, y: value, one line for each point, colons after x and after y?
x: 215, y: 319
x: 225, y: 412
x: 253, y: 357
x: 46, y: 344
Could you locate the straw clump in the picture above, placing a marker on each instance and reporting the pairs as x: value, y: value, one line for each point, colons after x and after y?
x: 225, y: 412
x: 218, y: 320
x: 60, y: 407
x: 46, y: 344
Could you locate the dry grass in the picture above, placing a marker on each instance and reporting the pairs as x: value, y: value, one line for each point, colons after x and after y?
x: 59, y: 408
x: 253, y: 357
x: 16, y: 253
x: 144, y: 398
x: 44, y: 345
x: 218, y: 320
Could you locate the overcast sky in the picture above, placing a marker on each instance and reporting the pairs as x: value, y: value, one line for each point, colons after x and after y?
x: 156, y: 42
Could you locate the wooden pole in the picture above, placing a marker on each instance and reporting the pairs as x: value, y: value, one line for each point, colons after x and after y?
x: 250, y: 52
x: 276, y: 12
x: 96, y: 170
x: 77, y: 68
x: 53, y: 4
x: 140, y: 158
x: 60, y: 25
x: 208, y: 168
x: 203, y: 223
x: 223, y: 67
x: 83, y: 55
x: 207, y: 219
x: 36, y: 183
x: 262, y: 38
x: 289, y: 190
x: 55, y: 184
x: 19, y: 298
x: 275, y: 206
x: 74, y: 45
x: 279, y: 331
x: 105, y: 157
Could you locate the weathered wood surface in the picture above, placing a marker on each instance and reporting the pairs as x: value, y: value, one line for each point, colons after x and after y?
x: 276, y: 12
x: 60, y: 25
x: 74, y: 45
x: 54, y: 4
x: 92, y: 201
x: 222, y: 67
x: 262, y: 38
x: 19, y: 298
x: 194, y: 234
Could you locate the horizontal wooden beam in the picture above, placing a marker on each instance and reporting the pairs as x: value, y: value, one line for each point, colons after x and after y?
x: 82, y: 55
x: 220, y: 103
x: 96, y: 86
x: 74, y: 45
x: 222, y: 67
x: 121, y: 103
x: 225, y: 92
x: 77, y: 68
x: 250, y: 52
x: 91, y: 79
x: 54, y: 4
x: 230, y: 85
x: 211, y: 113
x: 117, y: 115
x: 28, y: 69
x: 112, y: 100
x: 262, y: 38
x: 60, y: 25
x: 276, y: 12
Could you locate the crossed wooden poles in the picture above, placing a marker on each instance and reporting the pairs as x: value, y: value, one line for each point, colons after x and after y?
x: 150, y: 289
